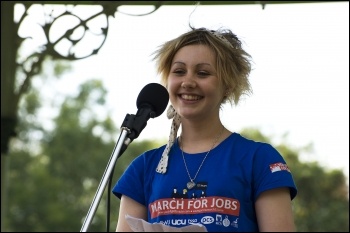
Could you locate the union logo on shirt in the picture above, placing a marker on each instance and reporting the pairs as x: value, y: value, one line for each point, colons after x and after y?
x: 276, y: 167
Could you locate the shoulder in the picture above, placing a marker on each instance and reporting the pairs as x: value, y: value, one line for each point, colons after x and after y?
x: 150, y: 157
x: 145, y: 163
x: 254, y: 152
x: 250, y: 144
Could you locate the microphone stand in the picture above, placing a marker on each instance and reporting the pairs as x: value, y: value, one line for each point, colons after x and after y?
x: 103, y: 183
x: 131, y: 127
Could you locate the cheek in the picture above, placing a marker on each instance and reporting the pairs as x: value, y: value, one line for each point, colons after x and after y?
x: 216, y: 93
x: 173, y: 84
x: 172, y: 88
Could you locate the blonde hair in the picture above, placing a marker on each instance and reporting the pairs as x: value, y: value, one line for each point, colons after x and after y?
x: 232, y: 62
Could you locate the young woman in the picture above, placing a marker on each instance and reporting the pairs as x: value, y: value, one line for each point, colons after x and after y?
x: 206, y: 174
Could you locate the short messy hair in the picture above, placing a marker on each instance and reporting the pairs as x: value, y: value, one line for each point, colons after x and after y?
x: 233, y: 64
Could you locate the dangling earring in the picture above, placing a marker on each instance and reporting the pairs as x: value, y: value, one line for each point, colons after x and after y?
x: 163, y: 162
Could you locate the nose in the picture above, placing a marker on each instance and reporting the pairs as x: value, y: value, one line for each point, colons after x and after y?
x: 188, y: 83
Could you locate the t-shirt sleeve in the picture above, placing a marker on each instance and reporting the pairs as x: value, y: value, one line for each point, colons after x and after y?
x: 270, y: 171
x: 131, y: 181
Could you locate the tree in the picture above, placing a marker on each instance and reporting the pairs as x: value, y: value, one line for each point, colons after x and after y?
x: 62, y: 174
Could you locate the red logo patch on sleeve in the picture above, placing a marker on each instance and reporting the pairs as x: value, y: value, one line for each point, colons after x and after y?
x: 276, y: 167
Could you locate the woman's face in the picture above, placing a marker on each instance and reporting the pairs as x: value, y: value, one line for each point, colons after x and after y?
x: 194, y: 88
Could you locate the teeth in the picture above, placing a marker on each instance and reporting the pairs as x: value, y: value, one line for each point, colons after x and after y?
x: 190, y: 97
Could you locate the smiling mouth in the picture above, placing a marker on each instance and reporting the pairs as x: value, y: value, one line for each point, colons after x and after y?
x: 191, y: 97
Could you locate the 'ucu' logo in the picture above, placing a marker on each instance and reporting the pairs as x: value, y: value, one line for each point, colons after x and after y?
x: 178, y: 221
x: 207, y: 220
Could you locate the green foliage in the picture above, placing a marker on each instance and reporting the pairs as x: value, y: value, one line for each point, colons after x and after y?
x: 53, y: 187
x: 322, y: 196
x: 53, y: 177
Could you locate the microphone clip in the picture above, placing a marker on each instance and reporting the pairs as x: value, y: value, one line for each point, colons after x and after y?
x: 136, y: 123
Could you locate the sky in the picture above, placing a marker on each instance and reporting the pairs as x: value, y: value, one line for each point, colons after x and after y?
x: 300, y: 76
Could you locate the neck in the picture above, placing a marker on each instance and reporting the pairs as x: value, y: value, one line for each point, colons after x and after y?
x: 198, y: 142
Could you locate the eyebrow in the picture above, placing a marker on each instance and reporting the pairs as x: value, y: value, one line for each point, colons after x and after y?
x: 200, y: 64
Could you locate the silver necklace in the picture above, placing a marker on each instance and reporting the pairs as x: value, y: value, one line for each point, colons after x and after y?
x: 191, y: 183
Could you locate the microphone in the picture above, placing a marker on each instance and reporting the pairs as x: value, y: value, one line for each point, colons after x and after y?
x: 151, y: 102
x: 153, y: 96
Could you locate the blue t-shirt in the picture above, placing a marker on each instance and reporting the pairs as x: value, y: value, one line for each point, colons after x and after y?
x: 230, y: 180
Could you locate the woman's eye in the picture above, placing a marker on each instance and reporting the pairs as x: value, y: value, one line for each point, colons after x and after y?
x: 178, y: 71
x: 203, y: 73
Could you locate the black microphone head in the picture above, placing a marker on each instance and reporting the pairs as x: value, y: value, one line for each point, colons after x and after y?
x: 153, y: 95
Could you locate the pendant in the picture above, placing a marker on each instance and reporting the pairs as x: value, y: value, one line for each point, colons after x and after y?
x: 190, y: 184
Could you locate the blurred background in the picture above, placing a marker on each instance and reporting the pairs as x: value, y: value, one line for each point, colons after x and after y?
x: 72, y: 70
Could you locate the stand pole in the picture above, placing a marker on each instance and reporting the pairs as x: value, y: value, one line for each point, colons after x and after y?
x: 103, y: 183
